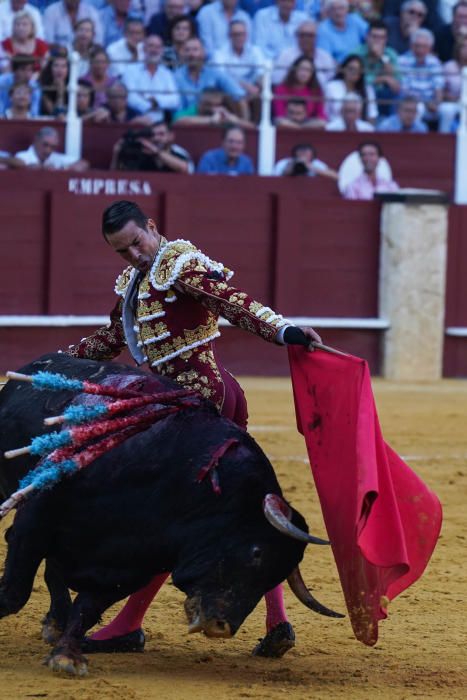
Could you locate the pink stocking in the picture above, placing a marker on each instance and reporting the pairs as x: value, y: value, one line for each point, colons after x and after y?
x: 275, y: 610
x: 130, y: 617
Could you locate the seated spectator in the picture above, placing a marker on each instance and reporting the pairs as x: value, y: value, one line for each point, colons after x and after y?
x: 350, y: 119
x: 20, y: 102
x: 350, y: 78
x: 127, y: 50
x: 61, y: 17
x: 296, y: 116
x: 160, y: 22
x: 369, y: 181
x: 181, y: 29
x: 22, y: 71
x: 113, y: 19
x: 301, y: 82
x: 194, y: 77
x: 341, y: 32
x: 305, y: 33
x: 303, y: 161
x: 380, y: 67
x: 151, y: 85
x: 8, y: 10
x: 54, y: 82
x: 99, y: 75
x: 400, y: 28
x: 240, y: 59
x: 83, y: 44
x: 117, y: 108
x: 214, y: 20
x: 450, y: 106
x: 274, y: 28
x: 448, y: 34
x: 212, y: 109
x: 23, y: 41
x: 153, y: 150
x: 406, y: 120
x: 244, y: 63
x: 43, y: 153
x: 422, y: 75
x: 230, y: 159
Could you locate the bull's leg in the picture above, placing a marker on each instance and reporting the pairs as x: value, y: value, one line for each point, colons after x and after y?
x: 56, y: 619
x: 124, y: 633
x: 26, y: 549
x: 280, y: 636
x: 86, y: 610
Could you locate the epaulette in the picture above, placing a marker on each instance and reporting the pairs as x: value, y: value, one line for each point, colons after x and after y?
x: 123, y: 280
x: 173, y: 257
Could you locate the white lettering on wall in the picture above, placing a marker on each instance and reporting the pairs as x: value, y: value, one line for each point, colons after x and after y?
x: 112, y: 186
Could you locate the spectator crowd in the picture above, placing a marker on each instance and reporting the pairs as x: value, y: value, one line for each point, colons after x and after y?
x: 337, y: 65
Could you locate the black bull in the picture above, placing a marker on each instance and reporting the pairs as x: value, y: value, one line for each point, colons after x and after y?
x: 139, y: 510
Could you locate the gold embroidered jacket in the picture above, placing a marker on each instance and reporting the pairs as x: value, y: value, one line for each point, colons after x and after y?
x: 179, y: 302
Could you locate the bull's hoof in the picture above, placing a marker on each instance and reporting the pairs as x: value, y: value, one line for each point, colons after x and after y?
x: 69, y: 663
x: 130, y: 643
x: 51, y: 631
x: 277, y: 642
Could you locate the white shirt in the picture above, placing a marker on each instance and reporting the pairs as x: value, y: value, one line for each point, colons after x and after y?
x: 271, y: 34
x: 142, y: 86
x: 60, y: 161
x: 338, y: 124
x: 247, y: 66
x: 334, y: 93
x: 7, y: 16
x: 316, y: 165
x: 325, y: 65
x: 213, y: 25
x: 58, y: 27
x: 119, y: 51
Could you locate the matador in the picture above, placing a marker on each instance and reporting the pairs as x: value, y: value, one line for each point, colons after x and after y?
x: 169, y: 302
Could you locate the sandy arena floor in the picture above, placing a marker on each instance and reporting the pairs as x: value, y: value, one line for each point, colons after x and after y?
x: 422, y: 648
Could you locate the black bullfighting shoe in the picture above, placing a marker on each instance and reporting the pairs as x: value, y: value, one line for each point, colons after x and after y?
x: 124, y: 644
x: 277, y: 642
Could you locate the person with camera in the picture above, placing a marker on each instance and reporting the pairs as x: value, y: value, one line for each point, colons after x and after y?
x: 303, y: 161
x: 151, y: 149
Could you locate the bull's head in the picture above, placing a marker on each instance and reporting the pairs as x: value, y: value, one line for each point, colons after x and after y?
x: 219, y: 600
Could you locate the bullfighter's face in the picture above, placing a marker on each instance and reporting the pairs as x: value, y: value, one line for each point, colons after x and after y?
x: 138, y: 246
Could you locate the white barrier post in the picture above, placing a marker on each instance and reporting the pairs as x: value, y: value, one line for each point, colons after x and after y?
x: 460, y: 195
x: 267, y: 132
x: 74, y: 127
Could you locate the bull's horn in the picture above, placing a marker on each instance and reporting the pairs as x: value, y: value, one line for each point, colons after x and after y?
x: 298, y: 587
x: 278, y: 514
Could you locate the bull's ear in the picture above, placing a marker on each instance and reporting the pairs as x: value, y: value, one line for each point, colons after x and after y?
x: 279, y: 513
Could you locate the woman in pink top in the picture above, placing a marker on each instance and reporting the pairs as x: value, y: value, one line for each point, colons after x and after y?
x: 300, y: 81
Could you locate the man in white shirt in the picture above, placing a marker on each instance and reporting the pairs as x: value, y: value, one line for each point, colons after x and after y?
x: 128, y: 49
x: 214, y: 20
x: 325, y: 65
x: 240, y: 59
x: 43, y: 153
x: 350, y: 119
x: 303, y: 162
x: 61, y: 17
x: 9, y: 8
x: 275, y: 27
x: 151, y: 86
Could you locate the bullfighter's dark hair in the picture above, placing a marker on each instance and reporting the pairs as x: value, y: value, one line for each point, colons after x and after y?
x: 119, y: 214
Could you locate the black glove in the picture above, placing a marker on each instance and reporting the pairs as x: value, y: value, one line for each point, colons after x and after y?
x: 295, y: 336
